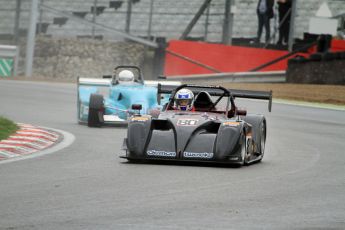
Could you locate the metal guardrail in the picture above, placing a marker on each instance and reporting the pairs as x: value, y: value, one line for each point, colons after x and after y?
x: 244, y: 77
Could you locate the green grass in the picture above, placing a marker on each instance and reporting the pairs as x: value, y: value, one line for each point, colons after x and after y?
x: 7, y: 128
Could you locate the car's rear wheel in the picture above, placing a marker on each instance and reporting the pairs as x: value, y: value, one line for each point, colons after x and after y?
x: 262, y: 139
x: 96, y: 111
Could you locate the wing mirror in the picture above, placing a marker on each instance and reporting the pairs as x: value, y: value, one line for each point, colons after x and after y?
x: 241, y: 112
x: 137, y: 107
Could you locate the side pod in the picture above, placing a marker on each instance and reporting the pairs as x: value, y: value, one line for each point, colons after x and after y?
x: 227, y: 139
x: 137, y: 135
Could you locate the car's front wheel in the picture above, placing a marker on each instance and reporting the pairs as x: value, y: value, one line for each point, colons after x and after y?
x: 96, y: 111
x: 243, y: 151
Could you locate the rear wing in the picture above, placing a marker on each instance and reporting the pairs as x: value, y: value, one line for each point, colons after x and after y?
x: 251, y: 94
x: 172, y: 84
x: 107, y: 81
x: 94, y: 81
x: 219, y: 91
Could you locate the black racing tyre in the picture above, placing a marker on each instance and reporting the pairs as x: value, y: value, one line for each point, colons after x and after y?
x: 316, y: 57
x: 262, y: 139
x: 298, y: 59
x: 337, y: 55
x: 342, y: 55
x: 243, y: 151
x: 328, y: 56
x: 96, y: 111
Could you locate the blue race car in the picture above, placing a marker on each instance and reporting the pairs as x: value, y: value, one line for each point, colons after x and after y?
x: 112, y: 99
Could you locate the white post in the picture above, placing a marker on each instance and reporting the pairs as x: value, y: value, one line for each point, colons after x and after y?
x: 31, y: 39
x: 94, y: 18
x: 16, y: 23
x: 292, y: 24
x: 149, y: 29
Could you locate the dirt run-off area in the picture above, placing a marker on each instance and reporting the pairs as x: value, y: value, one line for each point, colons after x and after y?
x: 329, y: 94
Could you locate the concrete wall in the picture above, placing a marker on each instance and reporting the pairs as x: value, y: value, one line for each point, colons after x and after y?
x: 70, y: 58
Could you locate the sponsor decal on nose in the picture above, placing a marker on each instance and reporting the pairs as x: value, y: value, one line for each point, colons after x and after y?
x: 161, y: 153
x: 198, y: 155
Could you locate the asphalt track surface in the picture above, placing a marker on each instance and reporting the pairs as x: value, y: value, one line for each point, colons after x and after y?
x: 299, y: 185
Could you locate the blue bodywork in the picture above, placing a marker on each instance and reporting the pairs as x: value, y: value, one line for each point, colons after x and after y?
x: 118, y: 98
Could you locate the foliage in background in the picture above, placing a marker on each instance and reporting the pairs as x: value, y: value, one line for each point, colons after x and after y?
x: 7, y: 128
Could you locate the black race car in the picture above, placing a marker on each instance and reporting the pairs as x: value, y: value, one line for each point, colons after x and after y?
x: 215, y: 131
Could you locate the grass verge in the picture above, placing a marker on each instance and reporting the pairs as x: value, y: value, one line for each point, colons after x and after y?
x: 7, y: 128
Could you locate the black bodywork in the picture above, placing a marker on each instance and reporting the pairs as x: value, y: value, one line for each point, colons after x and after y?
x: 226, y: 135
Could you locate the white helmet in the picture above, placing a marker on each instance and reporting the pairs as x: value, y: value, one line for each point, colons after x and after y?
x: 126, y: 76
x: 184, y: 99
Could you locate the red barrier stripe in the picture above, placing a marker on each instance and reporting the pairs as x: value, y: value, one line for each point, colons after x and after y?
x: 13, y: 150
x: 38, y: 131
x: 31, y: 143
x: 33, y: 135
x: 23, y: 145
x: 38, y: 141
x: 221, y: 57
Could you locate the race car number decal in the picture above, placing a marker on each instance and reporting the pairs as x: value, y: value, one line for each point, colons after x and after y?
x: 187, y: 122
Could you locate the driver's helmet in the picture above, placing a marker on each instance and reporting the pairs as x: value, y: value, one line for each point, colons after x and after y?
x: 184, y: 100
x: 126, y: 76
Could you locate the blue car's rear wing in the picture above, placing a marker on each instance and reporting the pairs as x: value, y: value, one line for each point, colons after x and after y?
x: 94, y: 81
x: 219, y: 91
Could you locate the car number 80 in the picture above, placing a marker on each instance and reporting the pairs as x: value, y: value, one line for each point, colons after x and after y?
x: 187, y: 122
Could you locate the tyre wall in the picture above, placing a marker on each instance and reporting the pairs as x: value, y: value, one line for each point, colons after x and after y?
x: 320, y: 68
